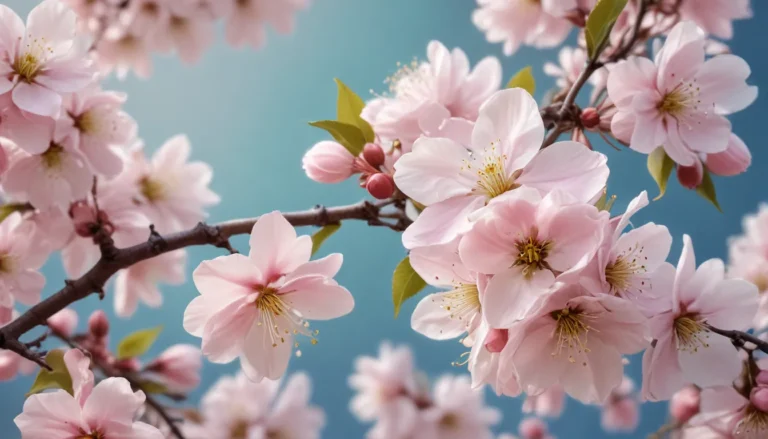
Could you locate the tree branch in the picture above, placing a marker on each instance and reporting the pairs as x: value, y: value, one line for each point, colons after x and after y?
x: 739, y: 338
x: 218, y: 235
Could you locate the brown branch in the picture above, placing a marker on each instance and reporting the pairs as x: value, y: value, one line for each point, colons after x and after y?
x: 740, y: 338
x: 218, y: 235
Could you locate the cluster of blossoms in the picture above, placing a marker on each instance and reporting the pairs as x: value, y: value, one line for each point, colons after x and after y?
x: 129, y: 31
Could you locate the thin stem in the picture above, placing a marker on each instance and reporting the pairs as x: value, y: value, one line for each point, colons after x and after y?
x: 740, y: 338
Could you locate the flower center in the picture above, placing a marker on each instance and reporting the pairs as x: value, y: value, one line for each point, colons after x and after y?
x: 179, y: 23
x: 572, y: 330
x: 492, y: 177
x: 6, y: 263
x: 680, y: 100
x: 93, y: 435
x: 88, y: 122
x: 150, y: 8
x: 761, y: 282
x: 532, y: 254
x: 279, y: 318
x: 239, y: 430
x: 152, y: 189
x: 449, y: 421
x: 410, y: 81
x: 276, y: 434
x: 691, y: 333
x: 463, y: 302
x: 753, y: 425
x: 53, y: 157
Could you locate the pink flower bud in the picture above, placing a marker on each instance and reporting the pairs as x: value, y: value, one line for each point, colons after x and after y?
x: 759, y: 398
x: 328, y: 162
x: 685, y: 404
x: 373, y: 154
x: 178, y: 367
x: 762, y: 378
x: 533, y: 428
x: 63, y: 322
x: 690, y: 176
x: 590, y: 118
x: 381, y: 186
x: 733, y: 161
x: 496, y: 340
x: 98, y: 325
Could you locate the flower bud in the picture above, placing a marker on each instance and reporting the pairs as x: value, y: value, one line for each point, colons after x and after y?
x: 381, y: 186
x: 690, y: 176
x: 762, y: 378
x: 63, y: 322
x: 328, y: 162
x: 759, y: 398
x: 533, y: 428
x: 178, y: 367
x: 128, y: 364
x: 685, y: 404
x: 98, y: 325
x: 590, y: 118
x: 84, y: 218
x: 496, y: 340
x: 373, y: 154
x: 733, y: 161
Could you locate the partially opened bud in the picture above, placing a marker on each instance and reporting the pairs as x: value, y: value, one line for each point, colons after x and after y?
x: 178, y: 367
x: 690, y: 176
x: 381, y: 186
x: 98, y: 325
x: 63, y: 322
x: 685, y: 404
x: 328, y: 162
x: 733, y: 161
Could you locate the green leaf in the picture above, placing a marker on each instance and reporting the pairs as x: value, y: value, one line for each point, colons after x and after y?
x: 348, y: 135
x: 348, y: 108
x: 153, y: 387
x: 57, y: 378
x: 319, y: 237
x: 137, y: 343
x: 406, y: 283
x: 7, y: 210
x: 605, y: 202
x: 599, y: 24
x: 523, y: 79
x: 707, y: 190
x: 660, y: 167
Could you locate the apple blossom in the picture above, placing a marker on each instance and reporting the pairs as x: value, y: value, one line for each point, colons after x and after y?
x: 253, y: 306
x: 139, y: 281
x: 177, y: 367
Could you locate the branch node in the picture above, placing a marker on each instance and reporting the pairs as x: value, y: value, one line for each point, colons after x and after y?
x: 156, y: 240
x: 322, y: 213
x: 216, y: 238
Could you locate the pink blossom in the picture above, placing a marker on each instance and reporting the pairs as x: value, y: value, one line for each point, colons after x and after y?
x: 679, y: 100
x: 733, y: 161
x: 11, y: 363
x: 685, y: 349
x: 726, y: 414
x: 123, y: 50
x: 549, y: 403
x: 328, y: 162
x: 528, y: 243
x: 40, y: 63
x: 178, y: 367
x: 292, y: 415
x: 748, y: 259
x: 484, y: 362
x: 577, y: 341
x: 716, y: 16
x: 63, y: 322
x: 246, y: 20
x: 572, y: 61
x: 188, y: 30
x: 424, y: 97
x: 252, y: 306
x: 453, y: 181
x: 458, y: 411
x: 519, y: 22
x: 685, y: 404
x: 139, y: 282
x: 621, y: 411
x: 171, y: 191
x: 106, y: 410
x: 534, y: 428
x: 20, y: 263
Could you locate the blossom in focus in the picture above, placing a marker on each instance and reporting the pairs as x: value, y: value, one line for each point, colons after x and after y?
x: 519, y: 22
x: 679, y: 100
x: 424, y: 96
x: 458, y: 411
x: 253, y: 306
x: 44, y: 60
x: 549, y: 403
x: 178, y: 367
x: 139, y: 282
x: 20, y: 263
x: 11, y: 363
x: 621, y: 412
x: 716, y: 16
x: 328, y: 162
x: 105, y: 410
x: 246, y: 20
x: 504, y: 155
x: 685, y: 349
x: 171, y: 191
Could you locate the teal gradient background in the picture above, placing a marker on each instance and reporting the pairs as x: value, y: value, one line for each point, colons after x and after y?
x: 246, y: 111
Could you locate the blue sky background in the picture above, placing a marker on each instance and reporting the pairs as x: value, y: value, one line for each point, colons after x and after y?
x: 246, y: 111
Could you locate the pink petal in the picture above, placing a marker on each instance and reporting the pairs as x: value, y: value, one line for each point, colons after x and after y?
x: 430, y: 318
x: 112, y: 405
x: 12, y: 30
x: 484, y: 79
x: 629, y: 77
x: 328, y: 266
x: 708, y: 133
x: 225, y: 331
x: 53, y: 22
x: 534, y: 361
x: 145, y: 431
x: 264, y: 358
x: 510, y: 297
x: 442, y: 222
x: 730, y: 303
x: 575, y: 232
x: 36, y: 99
x: 697, y: 365
x: 723, y: 80
x: 275, y: 249
x: 227, y: 277
x: 652, y: 243
x: 662, y: 375
x: 318, y: 298
x: 78, y: 366
x: 592, y: 377
x: 50, y: 415
x: 440, y: 265
x: 126, y: 300
x: 649, y: 133
x: 623, y: 125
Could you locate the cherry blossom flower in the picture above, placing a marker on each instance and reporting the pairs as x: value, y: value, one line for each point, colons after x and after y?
x: 20, y: 263
x: 679, y: 100
x: 292, y: 416
x: 453, y: 181
x: 684, y: 347
x: 549, y: 403
x: 253, y: 306
x: 577, y: 341
x: 44, y: 60
x: 458, y: 411
x: 104, y: 410
x: 178, y: 367
x: 328, y: 162
x: 621, y: 411
x: 426, y: 95
x: 726, y: 414
x: 188, y: 30
x: 716, y: 16
x: 528, y: 243
x: 171, y: 191
x: 246, y: 19
x: 11, y: 363
x: 572, y: 61
x: 519, y: 22
x: 139, y: 281
x: 124, y: 50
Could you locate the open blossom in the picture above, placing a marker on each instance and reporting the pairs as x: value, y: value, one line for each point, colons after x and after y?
x: 11, y: 363
x: 139, y: 282
x: 443, y: 86
x: 685, y: 349
x: 124, y: 50
x: 44, y: 60
x: 20, y: 263
x: 253, y: 306
x: 188, y: 30
x: 105, y: 410
x: 246, y: 20
x: 727, y: 414
x: 504, y: 155
x: 458, y: 411
x: 716, y: 16
x: 172, y: 192
x: 519, y: 22
x: 621, y: 412
x: 679, y: 100
x: 177, y: 367
x: 546, y: 404
x: 577, y: 341
x: 527, y: 243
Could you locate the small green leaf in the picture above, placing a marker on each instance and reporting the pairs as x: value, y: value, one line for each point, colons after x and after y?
x: 319, y: 237
x: 406, y: 283
x: 523, y: 79
x: 348, y: 108
x: 605, y: 202
x: 57, y: 378
x: 153, y: 387
x: 707, y: 190
x: 137, y: 343
x: 599, y: 24
x: 348, y: 135
x: 660, y: 167
x: 7, y: 210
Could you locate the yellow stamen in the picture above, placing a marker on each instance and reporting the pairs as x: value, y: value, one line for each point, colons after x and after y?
x: 691, y: 333
x: 533, y: 254
x: 462, y: 302
x: 279, y: 318
x: 572, y: 332
x: 449, y: 421
x: 753, y: 425
x: 239, y: 430
x: 152, y: 189
x: 53, y: 157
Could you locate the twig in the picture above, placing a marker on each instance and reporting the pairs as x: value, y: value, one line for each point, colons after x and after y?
x: 739, y: 338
